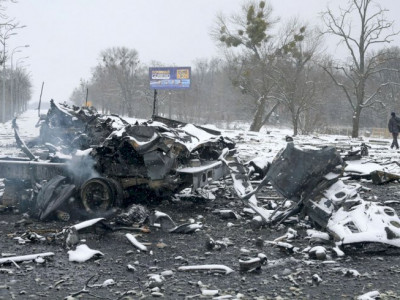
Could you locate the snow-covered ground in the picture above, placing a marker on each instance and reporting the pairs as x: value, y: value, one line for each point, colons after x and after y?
x: 27, y: 129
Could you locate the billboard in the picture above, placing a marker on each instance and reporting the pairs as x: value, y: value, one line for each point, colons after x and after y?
x: 169, y: 78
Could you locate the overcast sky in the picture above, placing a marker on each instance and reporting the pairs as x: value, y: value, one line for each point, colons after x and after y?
x: 66, y: 37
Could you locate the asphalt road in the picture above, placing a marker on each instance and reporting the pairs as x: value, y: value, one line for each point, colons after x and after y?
x: 284, y: 276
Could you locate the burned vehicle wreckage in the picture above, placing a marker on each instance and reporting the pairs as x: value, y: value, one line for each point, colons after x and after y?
x: 94, y: 164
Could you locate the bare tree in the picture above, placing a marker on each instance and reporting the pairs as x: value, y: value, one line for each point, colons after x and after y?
x: 123, y: 64
x: 23, y: 89
x: 79, y: 94
x: 253, y: 56
x: 295, y: 73
x: 372, y: 29
x: 248, y: 32
x: 119, y: 84
x: 390, y: 95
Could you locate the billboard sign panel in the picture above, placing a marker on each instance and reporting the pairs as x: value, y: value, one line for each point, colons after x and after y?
x: 169, y: 78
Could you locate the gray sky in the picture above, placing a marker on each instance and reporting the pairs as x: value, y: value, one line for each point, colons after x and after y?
x: 66, y: 37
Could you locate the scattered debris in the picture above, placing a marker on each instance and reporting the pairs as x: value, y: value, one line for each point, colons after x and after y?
x: 325, y: 199
x: 87, y: 223
x: 72, y: 238
x: 86, y: 288
x: 381, y: 177
x: 289, y: 236
x: 168, y: 225
x: 108, y: 282
x: 227, y: 214
x: 351, y: 273
x: 209, y: 293
x: 316, y: 236
x: 252, y: 264
x: 15, y: 259
x: 155, y: 280
x: 134, y: 214
x: 124, y: 163
x: 370, y: 296
x: 365, y: 222
x: 135, y: 242
x: 214, y: 268
x: 295, y: 173
x: 287, y: 247
x: 317, y: 252
x: 338, y: 252
x: 316, y: 279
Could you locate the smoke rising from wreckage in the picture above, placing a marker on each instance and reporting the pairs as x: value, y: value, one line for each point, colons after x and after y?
x: 104, y: 161
x: 96, y: 165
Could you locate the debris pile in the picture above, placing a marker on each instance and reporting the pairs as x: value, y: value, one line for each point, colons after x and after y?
x: 310, y: 179
x: 98, y: 163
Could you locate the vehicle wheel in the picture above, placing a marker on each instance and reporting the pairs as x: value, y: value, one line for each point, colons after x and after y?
x: 100, y: 195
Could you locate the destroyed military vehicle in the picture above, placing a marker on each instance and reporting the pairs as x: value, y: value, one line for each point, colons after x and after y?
x: 91, y: 163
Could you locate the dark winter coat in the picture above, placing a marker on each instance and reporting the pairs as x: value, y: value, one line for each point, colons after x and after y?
x: 393, y: 124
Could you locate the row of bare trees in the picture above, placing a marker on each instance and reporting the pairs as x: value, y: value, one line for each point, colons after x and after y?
x: 15, y: 87
x: 268, y: 76
x: 116, y: 83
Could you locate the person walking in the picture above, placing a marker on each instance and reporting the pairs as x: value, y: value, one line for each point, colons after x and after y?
x: 393, y: 126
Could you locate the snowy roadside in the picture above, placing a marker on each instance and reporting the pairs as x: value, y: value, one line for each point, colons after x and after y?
x: 27, y: 128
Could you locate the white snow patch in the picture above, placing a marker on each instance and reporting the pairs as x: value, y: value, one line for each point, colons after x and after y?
x: 83, y: 253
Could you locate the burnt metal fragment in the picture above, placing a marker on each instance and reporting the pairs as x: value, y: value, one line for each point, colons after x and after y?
x: 134, y: 214
x: 295, y: 172
x: 381, y: 177
x: 20, y: 142
x: 252, y: 264
x: 53, y: 195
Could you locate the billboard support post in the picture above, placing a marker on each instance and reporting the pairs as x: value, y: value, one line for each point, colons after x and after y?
x: 155, y: 103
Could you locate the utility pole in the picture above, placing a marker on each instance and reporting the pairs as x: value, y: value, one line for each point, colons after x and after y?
x: 3, y: 77
x: 40, y: 99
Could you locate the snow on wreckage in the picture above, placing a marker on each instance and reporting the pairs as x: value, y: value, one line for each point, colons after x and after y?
x: 95, y: 163
x: 311, y: 181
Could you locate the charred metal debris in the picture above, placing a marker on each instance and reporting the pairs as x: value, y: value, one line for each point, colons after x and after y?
x: 88, y: 164
x: 313, y: 185
x: 94, y: 165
